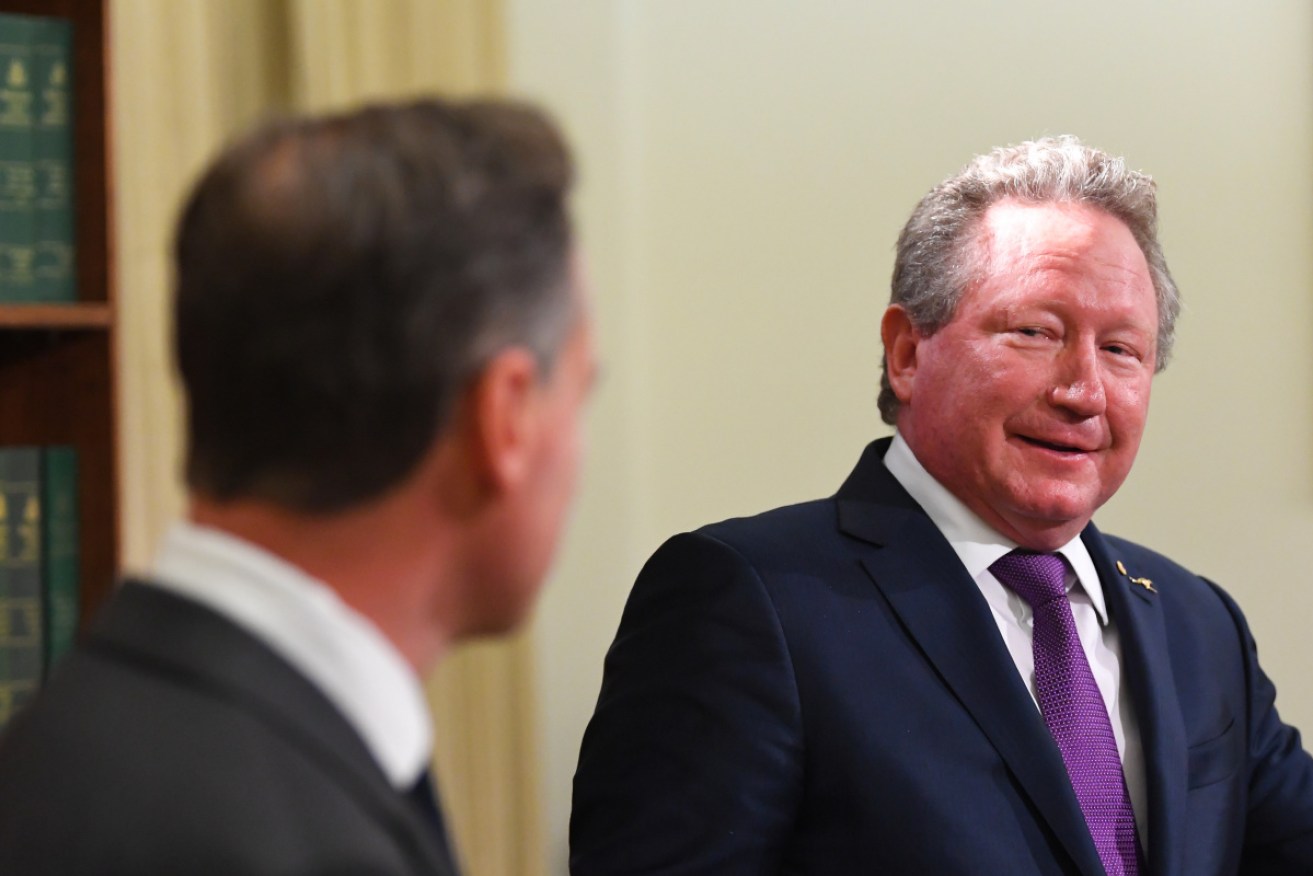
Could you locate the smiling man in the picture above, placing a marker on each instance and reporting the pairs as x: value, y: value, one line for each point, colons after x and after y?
x: 946, y: 668
x: 1030, y: 403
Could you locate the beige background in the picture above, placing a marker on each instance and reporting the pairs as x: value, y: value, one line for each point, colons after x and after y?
x: 746, y: 165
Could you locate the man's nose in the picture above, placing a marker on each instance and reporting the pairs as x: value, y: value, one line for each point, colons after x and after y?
x: 1078, y: 384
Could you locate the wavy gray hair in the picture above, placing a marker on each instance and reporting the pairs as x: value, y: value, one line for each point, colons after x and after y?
x: 936, y: 259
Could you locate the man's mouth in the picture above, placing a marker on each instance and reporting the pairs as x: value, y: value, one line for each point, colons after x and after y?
x: 1050, y: 445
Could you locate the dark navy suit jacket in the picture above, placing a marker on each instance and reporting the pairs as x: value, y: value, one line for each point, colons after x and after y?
x: 173, y: 742
x: 822, y: 689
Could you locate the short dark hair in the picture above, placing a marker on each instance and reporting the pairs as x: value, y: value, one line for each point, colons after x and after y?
x: 937, y: 257
x: 342, y: 278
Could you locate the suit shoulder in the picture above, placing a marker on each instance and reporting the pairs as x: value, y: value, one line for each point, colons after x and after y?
x: 763, y: 548
x: 219, y: 790
x: 790, y: 525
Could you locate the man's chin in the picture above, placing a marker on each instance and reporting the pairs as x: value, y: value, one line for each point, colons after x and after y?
x: 1049, y: 525
x: 500, y: 619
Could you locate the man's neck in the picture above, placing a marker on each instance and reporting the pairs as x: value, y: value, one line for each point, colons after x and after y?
x: 374, y: 557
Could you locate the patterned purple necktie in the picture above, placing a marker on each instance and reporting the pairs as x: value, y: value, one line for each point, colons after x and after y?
x: 1073, y: 708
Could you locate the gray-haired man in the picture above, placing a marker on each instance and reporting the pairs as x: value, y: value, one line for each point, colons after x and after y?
x: 946, y: 668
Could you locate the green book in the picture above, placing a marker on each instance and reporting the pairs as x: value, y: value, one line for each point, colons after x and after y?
x: 52, y: 154
x: 59, y: 550
x: 18, y: 183
x: 21, y: 628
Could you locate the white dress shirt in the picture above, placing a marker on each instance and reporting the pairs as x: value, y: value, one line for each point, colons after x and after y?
x: 303, y: 620
x: 978, y: 546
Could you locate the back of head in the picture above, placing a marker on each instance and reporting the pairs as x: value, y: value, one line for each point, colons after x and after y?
x: 340, y: 279
x: 937, y: 258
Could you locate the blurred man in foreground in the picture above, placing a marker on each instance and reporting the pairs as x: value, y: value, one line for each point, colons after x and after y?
x: 385, y: 347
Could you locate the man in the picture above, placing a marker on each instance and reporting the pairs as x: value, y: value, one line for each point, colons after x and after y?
x: 384, y: 346
x: 946, y: 668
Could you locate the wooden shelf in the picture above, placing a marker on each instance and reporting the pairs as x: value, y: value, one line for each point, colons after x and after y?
x: 54, y: 316
x: 58, y: 380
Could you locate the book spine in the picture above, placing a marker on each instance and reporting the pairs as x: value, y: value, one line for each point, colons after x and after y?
x: 52, y: 149
x: 21, y: 628
x: 17, y: 172
x: 59, y: 554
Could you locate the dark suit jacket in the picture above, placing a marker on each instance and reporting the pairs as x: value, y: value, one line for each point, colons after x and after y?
x: 174, y: 742
x: 822, y: 689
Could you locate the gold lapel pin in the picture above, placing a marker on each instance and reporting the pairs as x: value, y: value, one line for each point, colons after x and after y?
x: 1143, y: 582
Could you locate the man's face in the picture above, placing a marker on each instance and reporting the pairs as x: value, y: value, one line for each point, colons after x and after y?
x: 561, y: 449
x: 527, y: 526
x: 1029, y: 405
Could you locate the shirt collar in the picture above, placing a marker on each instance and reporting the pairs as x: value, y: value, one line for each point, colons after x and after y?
x: 975, y: 542
x: 301, y: 618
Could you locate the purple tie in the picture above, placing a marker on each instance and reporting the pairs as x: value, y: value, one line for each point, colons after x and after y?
x: 1073, y: 708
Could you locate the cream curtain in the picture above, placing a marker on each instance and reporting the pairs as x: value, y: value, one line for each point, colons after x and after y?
x: 186, y: 76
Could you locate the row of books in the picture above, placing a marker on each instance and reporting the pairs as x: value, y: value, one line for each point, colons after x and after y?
x: 36, y: 160
x: 38, y: 567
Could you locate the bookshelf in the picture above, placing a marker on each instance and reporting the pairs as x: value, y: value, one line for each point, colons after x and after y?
x: 57, y: 362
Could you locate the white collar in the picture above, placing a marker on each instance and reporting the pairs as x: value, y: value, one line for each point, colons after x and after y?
x: 339, y: 650
x: 977, y: 544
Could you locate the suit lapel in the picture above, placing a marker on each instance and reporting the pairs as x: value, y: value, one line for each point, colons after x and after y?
x: 944, y: 612
x: 1147, y: 671
x: 213, y: 655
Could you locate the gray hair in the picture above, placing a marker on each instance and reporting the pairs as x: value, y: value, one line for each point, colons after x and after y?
x: 936, y: 260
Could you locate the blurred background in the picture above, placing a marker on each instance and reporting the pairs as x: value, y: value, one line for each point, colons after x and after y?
x: 745, y: 168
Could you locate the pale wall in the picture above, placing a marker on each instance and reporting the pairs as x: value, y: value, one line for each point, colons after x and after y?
x: 746, y: 167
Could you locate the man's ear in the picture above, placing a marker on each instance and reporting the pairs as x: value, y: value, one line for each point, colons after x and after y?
x: 503, y: 428
x: 900, y: 339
